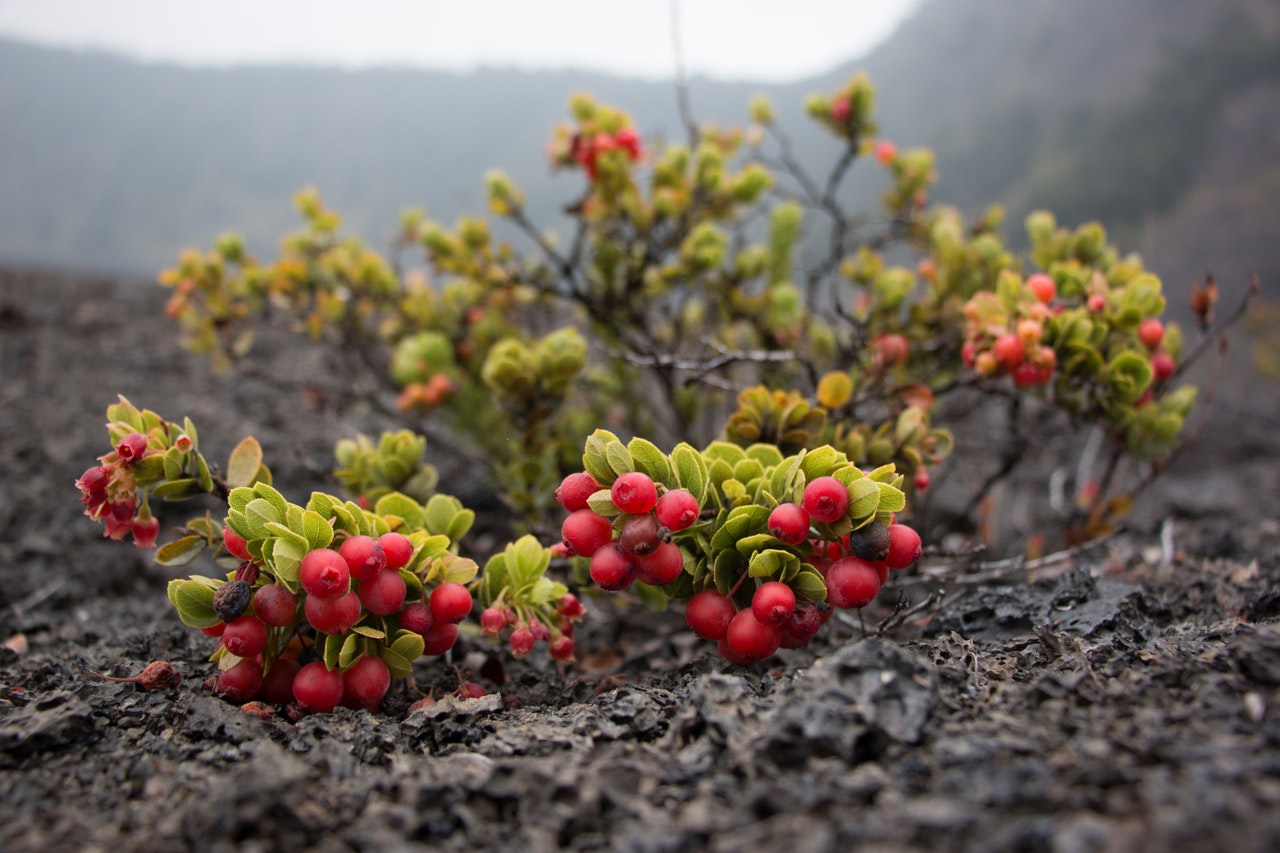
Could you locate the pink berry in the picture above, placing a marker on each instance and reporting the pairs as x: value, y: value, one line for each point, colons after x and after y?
x: 562, y: 648
x: 570, y: 607
x: 585, y: 532
x: 277, y: 684
x: 1162, y: 365
x: 634, y: 493
x: 398, y: 549
x: 574, y: 490
x: 275, y: 605
x: 852, y: 582
x: 789, y: 523
x: 235, y: 544
x: 709, y: 613
x: 661, y: 567
x: 825, y: 499
x: 891, y: 350
x: 333, y: 615
x: 365, y: 682
x: 364, y: 556
x: 318, y: 688
x: 751, y: 638
x: 1042, y: 287
x: 676, y: 510
x: 416, y: 617
x: 1097, y: 303
x: 773, y: 602
x: 904, y: 546
x: 241, y: 682
x: 382, y: 594
x: 324, y: 573
x: 440, y: 638
x: 245, y: 637
x: 1009, y: 350
x: 612, y: 569
x: 450, y: 603
x: 1151, y: 332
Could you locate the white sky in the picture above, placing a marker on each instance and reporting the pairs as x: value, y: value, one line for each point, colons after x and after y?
x: 759, y: 40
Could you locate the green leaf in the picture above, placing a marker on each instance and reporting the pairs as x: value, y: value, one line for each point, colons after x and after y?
x: 864, y: 498
x: 821, y: 461
x: 646, y: 457
x: 690, y: 470
x: 397, y: 505
x: 369, y: 631
x: 330, y: 649
x: 352, y: 650
x: 767, y: 455
x: 808, y: 583
x: 203, y: 474
x: 651, y: 597
x: 740, y: 522
x: 285, y: 559
x: 595, y: 459
x: 891, y: 499
x: 178, y: 490
x: 267, y: 493
x: 748, y: 545
x: 238, y: 499
x: 455, y: 569
x: 246, y: 459
x: 194, y: 602
x: 316, y: 530
x: 180, y: 552
x: 772, y: 563
x: 619, y: 459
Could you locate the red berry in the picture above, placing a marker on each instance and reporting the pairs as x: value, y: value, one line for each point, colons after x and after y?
x: 275, y: 605
x: 789, y: 523
x: 640, y: 535
x: 968, y: 351
x: 450, y: 603
x: 661, y: 567
x: 1026, y: 375
x: 629, y: 141
x: 1009, y: 350
x: 416, y: 617
x: 852, y: 582
x: 885, y: 152
x: 365, y: 682
x: 245, y: 636
x: 521, y: 642
x: 492, y: 621
x: 585, y: 532
x: 803, y: 624
x: 214, y: 630
x: 612, y: 569
x: 634, y: 493
x: 826, y: 499
x: 1097, y: 303
x: 382, y: 594
x: 921, y: 479
x: 1162, y: 365
x: 324, y: 573
x: 318, y: 688
x: 773, y: 602
x: 676, y: 510
x: 333, y: 615
x: 904, y: 546
x: 1042, y: 287
x: 1151, y: 332
x: 709, y: 613
x: 397, y: 548
x: 750, y: 638
x: 364, y: 556
x: 277, y: 684
x: 241, y: 682
x: 891, y: 350
x: 440, y: 638
x: 145, y: 531
x: 235, y: 544
x: 562, y: 648
x: 573, y: 491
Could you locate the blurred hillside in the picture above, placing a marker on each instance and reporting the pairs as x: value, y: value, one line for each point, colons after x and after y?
x: 1157, y: 117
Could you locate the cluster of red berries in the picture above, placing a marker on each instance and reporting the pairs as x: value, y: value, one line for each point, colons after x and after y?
x: 1018, y: 351
x: 1151, y: 334
x: 108, y: 493
x: 637, y: 544
x: 528, y: 629
x: 362, y: 575
x: 854, y: 567
x: 585, y: 150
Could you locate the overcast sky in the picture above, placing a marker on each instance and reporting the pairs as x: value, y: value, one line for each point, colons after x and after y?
x: 765, y: 40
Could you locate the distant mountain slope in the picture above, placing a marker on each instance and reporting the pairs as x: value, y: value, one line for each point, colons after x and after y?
x: 1156, y: 116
